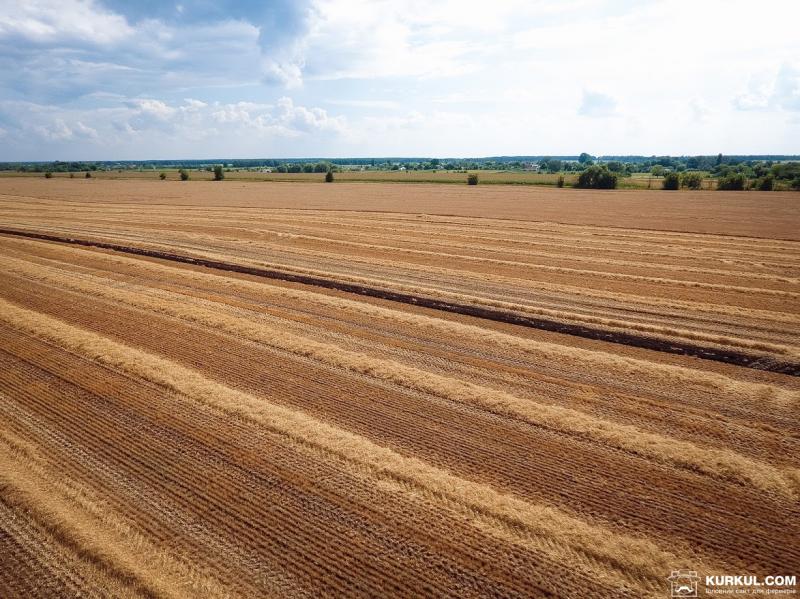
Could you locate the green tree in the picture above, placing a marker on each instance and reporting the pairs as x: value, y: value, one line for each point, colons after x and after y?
x: 657, y: 170
x: 692, y: 180
x: 329, y: 177
x: 472, y: 179
x: 184, y: 175
x: 786, y: 170
x: 162, y: 176
x: 88, y: 175
x: 672, y: 181
x: 554, y: 165
x: 585, y: 158
x: 597, y: 177
x: 219, y: 174
x: 732, y: 182
x: 765, y: 183
x: 48, y: 175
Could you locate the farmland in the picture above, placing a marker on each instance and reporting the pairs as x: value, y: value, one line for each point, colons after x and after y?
x: 487, y: 177
x: 292, y: 389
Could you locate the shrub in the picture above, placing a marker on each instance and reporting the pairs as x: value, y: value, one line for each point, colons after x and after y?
x: 789, y: 171
x: 560, y: 181
x: 162, y: 176
x: 692, y: 180
x: 597, y: 177
x: 48, y: 175
x: 219, y: 175
x: 329, y: 177
x: 184, y: 175
x: 765, y: 183
x: 796, y: 184
x: 472, y: 179
x: 88, y: 175
x: 732, y: 182
x: 672, y: 181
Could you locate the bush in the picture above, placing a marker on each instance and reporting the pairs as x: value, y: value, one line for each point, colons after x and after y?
x: 560, y: 181
x: 219, y: 175
x: 162, y: 176
x: 692, y: 180
x: 472, y: 179
x: 329, y: 177
x: 672, y: 181
x: 184, y: 175
x: 88, y: 175
x: 732, y: 182
x: 597, y: 177
x: 789, y: 171
x: 48, y: 175
x: 72, y: 175
x: 765, y: 183
x: 796, y: 184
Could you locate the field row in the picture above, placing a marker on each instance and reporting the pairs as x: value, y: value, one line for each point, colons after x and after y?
x: 723, y: 293
x: 752, y: 214
x: 276, y: 439
x: 170, y: 429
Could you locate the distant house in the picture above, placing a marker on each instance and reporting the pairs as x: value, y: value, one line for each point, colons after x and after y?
x: 530, y: 166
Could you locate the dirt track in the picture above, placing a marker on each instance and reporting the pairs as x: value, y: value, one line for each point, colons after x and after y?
x: 170, y: 429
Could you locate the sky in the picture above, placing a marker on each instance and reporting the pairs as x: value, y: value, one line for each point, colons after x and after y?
x: 154, y: 79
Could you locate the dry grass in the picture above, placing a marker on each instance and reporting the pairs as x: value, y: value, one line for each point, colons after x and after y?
x: 643, y: 560
x: 741, y: 391
x: 80, y: 520
x: 710, y: 461
x: 180, y: 430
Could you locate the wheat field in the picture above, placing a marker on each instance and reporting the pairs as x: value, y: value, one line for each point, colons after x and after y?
x: 263, y: 390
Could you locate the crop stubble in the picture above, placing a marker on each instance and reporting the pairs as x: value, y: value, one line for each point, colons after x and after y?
x: 253, y: 436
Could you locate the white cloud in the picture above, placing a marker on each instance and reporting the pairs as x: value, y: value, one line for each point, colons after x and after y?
x: 49, y: 22
x: 82, y: 130
x: 699, y: 110
x: 56, y: 131
x: 781, y: 91
x: 595, y: 104
x: 787, y: 87
x: 399, y: 76
x: 156, y: 125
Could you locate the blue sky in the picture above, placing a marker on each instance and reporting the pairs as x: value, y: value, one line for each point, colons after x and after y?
x: 110, y: 79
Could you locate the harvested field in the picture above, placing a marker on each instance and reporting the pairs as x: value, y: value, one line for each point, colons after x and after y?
x: 750, y: 214
x: 334, y: 406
